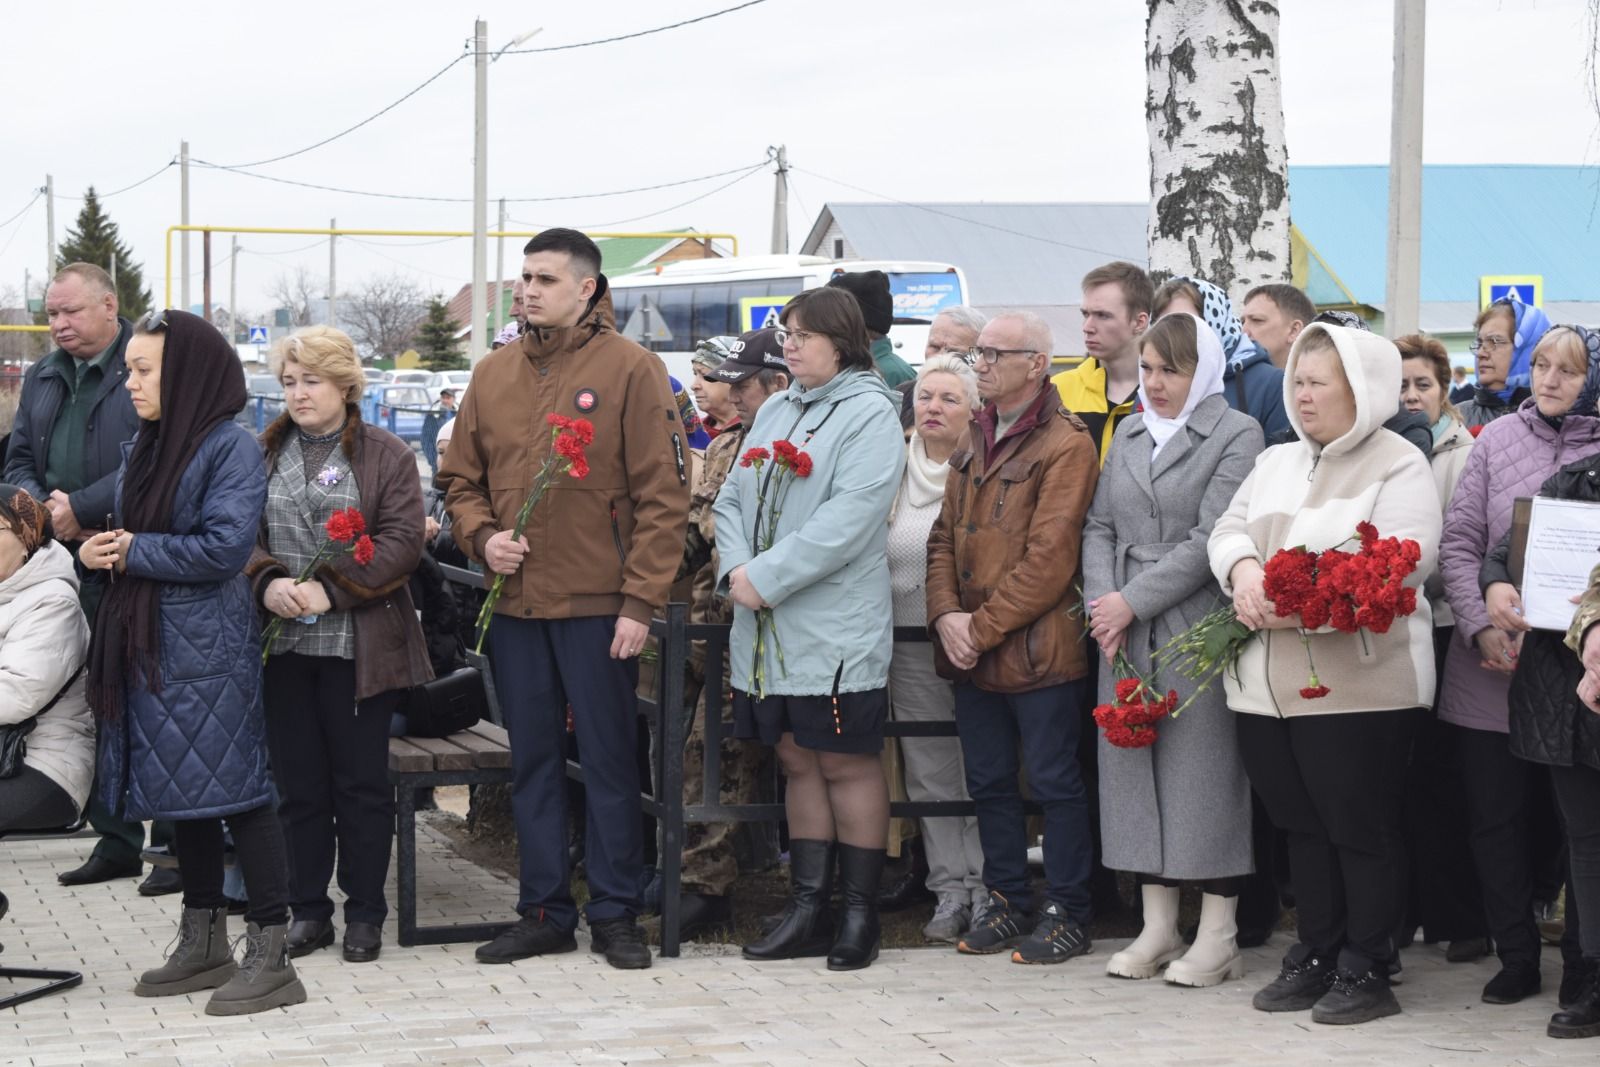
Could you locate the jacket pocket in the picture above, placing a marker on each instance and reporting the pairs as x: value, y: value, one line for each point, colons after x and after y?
x: 1011, y: 473
x: 200, y: 629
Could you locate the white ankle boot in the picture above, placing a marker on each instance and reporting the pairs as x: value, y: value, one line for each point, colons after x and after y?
x: 1158, y: 943
x: 1214, y: 956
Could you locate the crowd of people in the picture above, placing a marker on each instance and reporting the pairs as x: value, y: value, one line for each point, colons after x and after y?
x: 1438, y: 781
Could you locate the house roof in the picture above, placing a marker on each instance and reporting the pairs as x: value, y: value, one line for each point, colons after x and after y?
x: 1476, y: 220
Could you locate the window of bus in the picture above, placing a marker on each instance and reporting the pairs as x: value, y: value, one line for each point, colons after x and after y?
x: 712, y: 315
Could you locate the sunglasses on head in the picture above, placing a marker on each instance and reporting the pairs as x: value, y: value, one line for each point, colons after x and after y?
x: 154, y: 321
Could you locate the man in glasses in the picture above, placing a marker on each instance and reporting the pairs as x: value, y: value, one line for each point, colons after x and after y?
x: 66, y: 448
x: 1001, y: 561
x: 1103, y: 388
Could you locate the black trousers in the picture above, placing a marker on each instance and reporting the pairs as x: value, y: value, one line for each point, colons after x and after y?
x: 31, y: 800
x: 1578, y: 791
x: 257, y: 841
x: 330, y: 758
x: 1498, y: 789
x: 1445, y: 899
x: 1333, y: 784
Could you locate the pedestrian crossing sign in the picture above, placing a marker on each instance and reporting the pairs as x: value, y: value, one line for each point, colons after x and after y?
x: 258, y: 335
x: 1529, y: 288
x: 760, y: 312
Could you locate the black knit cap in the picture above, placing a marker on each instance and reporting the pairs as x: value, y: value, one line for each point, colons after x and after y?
x: 871, y: 290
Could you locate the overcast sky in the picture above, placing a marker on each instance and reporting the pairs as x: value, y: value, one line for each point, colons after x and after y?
x: 925, y: 100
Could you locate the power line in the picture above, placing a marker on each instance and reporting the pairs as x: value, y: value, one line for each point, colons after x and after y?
x: 964, y: 218
x: 286, y: 251
x: 468, y: 199
x: 169, y: 164
x: 351, y: 129
x: 37, y: 193
x: 630, y: 36
x: 662, y: 211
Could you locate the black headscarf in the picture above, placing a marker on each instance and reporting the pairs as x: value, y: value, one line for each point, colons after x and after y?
x: 202, y: 386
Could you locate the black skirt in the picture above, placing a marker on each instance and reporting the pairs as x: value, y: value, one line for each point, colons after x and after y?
x: 850, y: 722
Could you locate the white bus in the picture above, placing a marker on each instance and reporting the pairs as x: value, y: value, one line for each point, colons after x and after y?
x: 674, y: 307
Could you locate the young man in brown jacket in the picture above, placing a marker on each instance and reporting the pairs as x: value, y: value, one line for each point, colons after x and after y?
x: 593, y: 566
x: 1001, y: 562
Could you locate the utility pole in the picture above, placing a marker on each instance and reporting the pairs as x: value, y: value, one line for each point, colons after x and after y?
x: 183, y: 217
x: 1403, y: 296
x: 480, y: 188
x: 205, y: 275
x: 113, y: 270
x: 50, y: 226
x: 233, y: 292
x: 780, y: 204
x: 500, y: 273
x: 333, y: 277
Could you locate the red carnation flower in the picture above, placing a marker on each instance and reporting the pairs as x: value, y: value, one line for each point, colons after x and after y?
x: 754, y: 456
x: 1315, y: 692
x: 802, y: 465
x: 1474, y: 430
x: 364, y: 550
x: 339, y: 527
x: 1126, y: 688
x: 583, y: 430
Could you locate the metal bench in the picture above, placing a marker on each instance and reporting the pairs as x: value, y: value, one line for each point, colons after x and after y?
x: 50, y: 981
x: 478, y: 756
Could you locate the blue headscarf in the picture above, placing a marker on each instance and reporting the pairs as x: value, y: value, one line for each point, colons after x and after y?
x: 1532, y: 324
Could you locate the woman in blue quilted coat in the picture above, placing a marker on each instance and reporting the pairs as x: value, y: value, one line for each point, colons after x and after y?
x: 175, y: 660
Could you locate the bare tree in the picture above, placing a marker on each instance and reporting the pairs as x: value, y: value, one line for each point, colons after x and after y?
x: 298, y: 291
x: 383, y: 313
x: 1219, y: 189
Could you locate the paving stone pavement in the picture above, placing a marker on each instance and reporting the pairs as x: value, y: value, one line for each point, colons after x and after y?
x: 436, y: 1005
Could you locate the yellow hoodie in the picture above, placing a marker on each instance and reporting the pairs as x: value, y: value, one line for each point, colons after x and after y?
x: 1083, y: 392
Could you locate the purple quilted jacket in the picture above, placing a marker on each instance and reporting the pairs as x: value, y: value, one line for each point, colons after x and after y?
x: 1512, y: 457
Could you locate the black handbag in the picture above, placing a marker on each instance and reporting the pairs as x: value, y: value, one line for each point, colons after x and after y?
x: 447, y: 705
x: 13, y: 736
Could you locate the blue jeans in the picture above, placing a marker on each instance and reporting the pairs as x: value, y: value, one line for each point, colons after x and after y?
x: 541, y: 666
x: 1002, y: 733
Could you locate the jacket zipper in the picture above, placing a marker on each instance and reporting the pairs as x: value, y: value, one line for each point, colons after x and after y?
x: 616, y: 535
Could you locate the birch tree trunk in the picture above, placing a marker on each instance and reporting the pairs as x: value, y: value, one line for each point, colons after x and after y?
x: 1219, y: 189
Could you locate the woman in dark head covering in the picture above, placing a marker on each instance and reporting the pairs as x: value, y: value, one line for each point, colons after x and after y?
x: 175, y: 664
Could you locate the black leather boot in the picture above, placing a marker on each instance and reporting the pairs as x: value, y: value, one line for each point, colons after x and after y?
x: 806, y: 926
x: 1582, y: 1018
x: 856, y: 944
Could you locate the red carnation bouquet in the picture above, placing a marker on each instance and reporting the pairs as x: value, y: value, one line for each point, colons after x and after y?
x: 1352, y: 592
x: 568, y: 438
x: 1129, y: 722
x: 346, y: 531
x: 789, y: 462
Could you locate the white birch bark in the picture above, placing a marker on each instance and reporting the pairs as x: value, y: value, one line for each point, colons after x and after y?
x: 1219, y: 180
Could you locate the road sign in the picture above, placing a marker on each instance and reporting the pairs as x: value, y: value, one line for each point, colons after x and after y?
x: 646, y: 324
x: 760, y: 312
x: 258, y: 335
x: 1528, y: 287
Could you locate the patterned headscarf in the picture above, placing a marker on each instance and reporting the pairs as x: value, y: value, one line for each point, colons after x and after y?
x: 1531, y: 325
x: 1348, y: 319
x: 1217, y: 310
x: 26, y: 517
x: 1589, y: 395
x: 693, y: 431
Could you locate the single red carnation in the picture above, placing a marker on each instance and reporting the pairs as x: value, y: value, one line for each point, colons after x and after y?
x: 364, y: 550
x: 785, y: 449
x: 339, y: 527
x: 1142, y: 737
x: 754, y: 456
x: 1126, y: 688
x: 802, y: 465
x: 580, y: 467
x: 1315, y: 692
x: 583, y: 430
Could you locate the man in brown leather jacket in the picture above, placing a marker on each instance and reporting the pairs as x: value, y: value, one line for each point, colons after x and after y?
x: 1002, y: 559
x: 595, y: 563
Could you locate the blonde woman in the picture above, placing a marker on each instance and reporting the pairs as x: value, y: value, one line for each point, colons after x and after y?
x: 945, y: 397
x: 352, y: 645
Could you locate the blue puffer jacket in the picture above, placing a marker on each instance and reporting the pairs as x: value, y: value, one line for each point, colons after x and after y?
x: 197, y: 749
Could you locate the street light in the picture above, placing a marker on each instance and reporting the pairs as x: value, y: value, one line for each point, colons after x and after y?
x: 516, y: 41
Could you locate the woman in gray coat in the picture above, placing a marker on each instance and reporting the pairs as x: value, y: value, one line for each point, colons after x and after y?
x: 1179, y: 810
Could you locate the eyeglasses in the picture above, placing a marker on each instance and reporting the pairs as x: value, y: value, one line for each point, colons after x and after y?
x: 794, y: 338
x: 154, y: 321
x: 1491, y: 343
x: 990, y: 356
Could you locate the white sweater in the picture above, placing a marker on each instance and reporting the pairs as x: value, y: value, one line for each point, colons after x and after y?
x: 44, y: 639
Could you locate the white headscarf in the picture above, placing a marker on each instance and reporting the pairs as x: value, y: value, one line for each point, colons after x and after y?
x: 447, y: 431
x: 1207, y: 382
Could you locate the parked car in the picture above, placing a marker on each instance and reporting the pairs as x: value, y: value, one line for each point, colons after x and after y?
x: 397, y: 408
x: 411, y: 377
x: 373, y: 375
x: 265, y: 403
x: 449, y: 379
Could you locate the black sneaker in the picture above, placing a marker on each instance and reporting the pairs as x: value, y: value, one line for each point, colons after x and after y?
x: 999, y: 927
x: 1304, y: 979
x: 1055, y: 939
x: 622, y: 942
x: 1514, y: 982
x: 528, y: 936
x: 1355, y: 998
